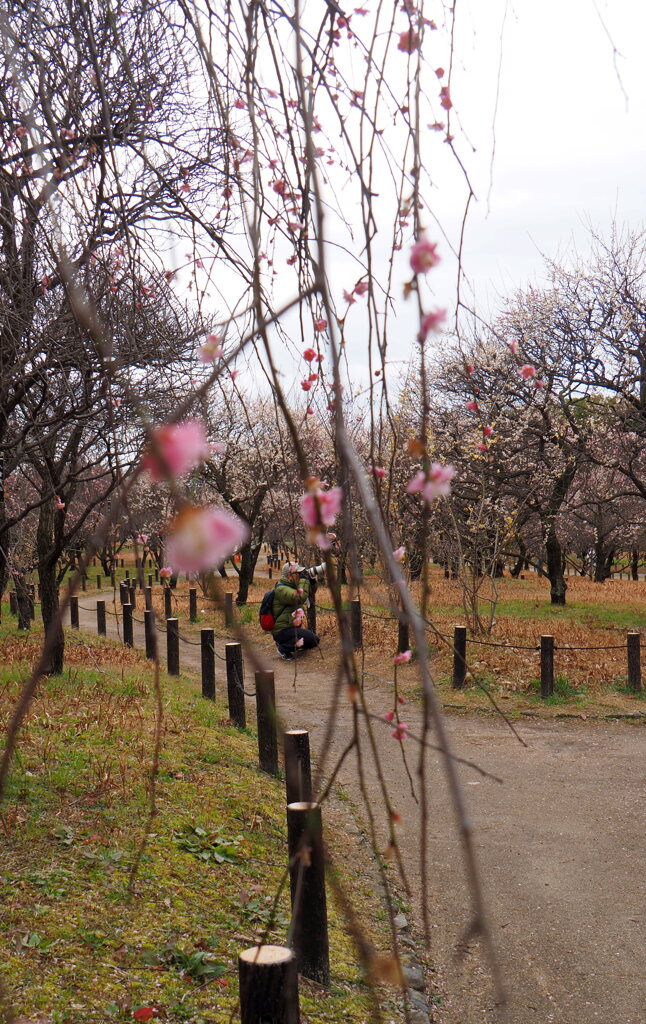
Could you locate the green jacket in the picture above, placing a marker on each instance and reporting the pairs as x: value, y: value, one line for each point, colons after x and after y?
x: 286, y: 600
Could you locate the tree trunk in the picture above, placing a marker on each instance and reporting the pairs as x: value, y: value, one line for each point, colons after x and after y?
x: 603, y: 560
x: 635, y: 564
x: 49, y: 587
x: 554, y: 552
x: 248, y: 558
x: 522, y: 560
x: 23, y: 600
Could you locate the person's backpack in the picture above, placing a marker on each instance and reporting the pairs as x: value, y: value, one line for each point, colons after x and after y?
x: 266, y: 613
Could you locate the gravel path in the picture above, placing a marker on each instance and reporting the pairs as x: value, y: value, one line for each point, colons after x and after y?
x: 560, y: 845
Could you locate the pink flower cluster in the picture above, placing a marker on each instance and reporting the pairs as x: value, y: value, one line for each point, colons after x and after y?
x: 210, y: 349
x: 436, y: 483
x: 176, y: 449
x: 320, y: 507
x: 402, y: 658
x: 200, y: 538
x: 400, y: 732
x: 423, y: 256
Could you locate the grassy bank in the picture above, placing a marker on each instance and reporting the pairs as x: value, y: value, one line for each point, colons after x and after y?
x: 81, y: 946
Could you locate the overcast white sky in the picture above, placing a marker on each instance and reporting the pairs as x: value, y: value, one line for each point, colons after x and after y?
x: 569, y: 132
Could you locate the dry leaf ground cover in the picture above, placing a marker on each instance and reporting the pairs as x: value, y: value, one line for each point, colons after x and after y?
x: 77, y: 947
x: 587, y: 682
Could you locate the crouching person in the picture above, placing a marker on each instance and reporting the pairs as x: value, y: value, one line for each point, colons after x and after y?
x: 290, y: 600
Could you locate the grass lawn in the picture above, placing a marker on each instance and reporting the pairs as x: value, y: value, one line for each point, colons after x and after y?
x: 80, y: 947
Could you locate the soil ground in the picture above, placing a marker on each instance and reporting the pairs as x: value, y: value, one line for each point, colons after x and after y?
x: 559, y: 843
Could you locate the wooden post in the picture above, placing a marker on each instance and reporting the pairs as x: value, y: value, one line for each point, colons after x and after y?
x: 268, y: 986
x: 207, y: 644
x: 99, y: 582
x: 127, y: 626
x: 355, y: 619
x: 235, y: 683
x: 127, y: 574
x: 192, y: 604
x: 459, y: 656
x: 113, y: 580
x: 298, y: 770
x: 269, y: 575
x: 307, y: 886
x: 100, y: 618
x: 403, y: 638
x: 148, y: 598
x: 150, y: 579
x: 311, y: 612
x: 172, y: 646
x: 84, y: 583
x: 266, y: 722
x: 156, y: 575
x: 547, y: 666
x: 124, y: 593
x: 168, y: 610
x: 149, y: 633
x: 74, y: 612
x: 133, y: 595
x: 633, y: 641
x: 228, y: 610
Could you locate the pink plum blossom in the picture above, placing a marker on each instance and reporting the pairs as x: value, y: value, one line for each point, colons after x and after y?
x: 512, y: 346
x: 142, y: 538
x: 408, y: 41
x: 423, y: 255
x: 321, y: 507
x: 399, y: 554
x: 166, y: 572
x: 200, y: 538
x: 349, y: 297
x: 539, y: 384
x: 472, y: 405
x: 176, y: 449
x: 402, y: 658
x: 527, y: 371
x: 445, y: 97
x: 309, y: 354
x: 388, y: 716
x: 482, y: 447
x: 210, y: 349
x: 487, y: 431
x: 400, y: 732
x: 310, y: 412
x: 320, y: 325
x: 430, y: 322
x: 306, y: 385
x: 434, y: 484
x: 361, y: 287
x: 379, y: 472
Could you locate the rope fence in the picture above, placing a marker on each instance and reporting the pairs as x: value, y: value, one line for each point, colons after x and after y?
x: 546, y: 646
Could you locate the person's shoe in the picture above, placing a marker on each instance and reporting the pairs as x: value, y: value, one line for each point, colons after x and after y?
x: 286, y: 657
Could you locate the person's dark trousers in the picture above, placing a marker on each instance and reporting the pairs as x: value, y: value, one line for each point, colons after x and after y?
x: 286, y: 640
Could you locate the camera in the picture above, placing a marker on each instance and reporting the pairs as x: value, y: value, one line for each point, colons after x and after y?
x: 315, y: 573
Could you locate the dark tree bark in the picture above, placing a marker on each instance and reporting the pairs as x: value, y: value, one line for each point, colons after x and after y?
x: 48, y: 576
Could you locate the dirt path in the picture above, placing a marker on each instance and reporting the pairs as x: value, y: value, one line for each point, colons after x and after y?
x: 560, y: 846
